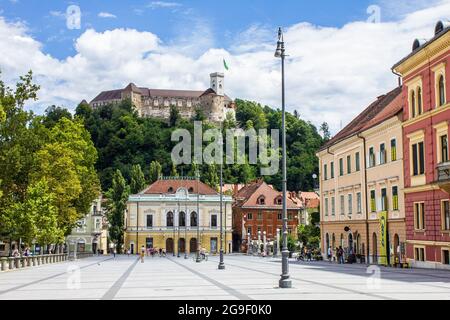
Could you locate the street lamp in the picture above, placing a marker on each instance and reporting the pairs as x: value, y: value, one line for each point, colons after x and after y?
x: 185, y: 224
x: 221, y: 265
x: 285, y: 281
x: 178, y: 242
x: 198, y: 218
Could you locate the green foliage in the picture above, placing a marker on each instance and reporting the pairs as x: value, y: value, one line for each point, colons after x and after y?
x: 291, y: 243
x: 155, y: 171
x: 211, y: 178
x: 174, y: 117
x: 325, y: 131
x: 117, y: 197
x: 309, y: 235
x: 137, y: 183
x: 173, y: 171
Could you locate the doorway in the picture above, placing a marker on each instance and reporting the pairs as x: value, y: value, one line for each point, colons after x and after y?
x: 169, y: 245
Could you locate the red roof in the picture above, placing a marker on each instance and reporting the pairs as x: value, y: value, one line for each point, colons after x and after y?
x: 170, y: 186
x: 385, y: 107
x: 248, y: 196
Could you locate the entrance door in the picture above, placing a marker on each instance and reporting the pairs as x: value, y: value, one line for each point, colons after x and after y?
x: 193, y: 245
x: 182, y: 244
x: 149, y: 243
x: 169, y: 245
x: 396, y: 248
x: 213, y: 245
x: 374, y: 248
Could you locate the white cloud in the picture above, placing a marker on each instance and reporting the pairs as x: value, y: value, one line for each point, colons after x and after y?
x: 163, y: 4
x: 331, y: 73
x: 58, y: 14
x: 106, y: 15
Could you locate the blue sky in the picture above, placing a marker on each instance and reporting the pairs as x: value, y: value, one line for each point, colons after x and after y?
x: 339, y: 56
x: 171, y: 20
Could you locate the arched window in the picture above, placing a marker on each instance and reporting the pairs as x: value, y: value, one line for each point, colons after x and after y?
x: 441, y: 91
x: 169, y: 219
x: 193, y: 219
x: 182, y: 219
x: 261, y: 200
x: 419, y: 101
x: 413, y: 104
x: 170, y: 190
x: 191, y: 190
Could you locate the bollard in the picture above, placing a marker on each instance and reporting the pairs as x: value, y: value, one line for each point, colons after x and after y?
x: 3, y: 262
x: 11, y: 263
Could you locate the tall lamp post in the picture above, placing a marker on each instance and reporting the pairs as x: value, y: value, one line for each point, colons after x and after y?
x: 221, y: 264
x: 285, y: 281
x: 198, y: 217
x: 178, y: 242
x: 185, y: 224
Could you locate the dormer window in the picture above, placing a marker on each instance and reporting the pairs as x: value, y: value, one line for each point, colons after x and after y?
x: 170, y: 190
x: 261, y: 200
x: 191, y: 190
x: 279, y: 200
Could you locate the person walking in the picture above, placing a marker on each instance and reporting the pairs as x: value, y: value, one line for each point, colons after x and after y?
x: 341, y: 255
x: 142, y: 254
x: 329, y: 254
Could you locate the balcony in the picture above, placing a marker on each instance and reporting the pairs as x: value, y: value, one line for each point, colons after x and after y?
x: 443, y: 179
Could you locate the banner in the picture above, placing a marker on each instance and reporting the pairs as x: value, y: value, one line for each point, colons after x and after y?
x: 383, y: 238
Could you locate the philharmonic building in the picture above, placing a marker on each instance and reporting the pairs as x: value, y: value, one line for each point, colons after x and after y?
x: 213, y: 102
x: 170, y: 213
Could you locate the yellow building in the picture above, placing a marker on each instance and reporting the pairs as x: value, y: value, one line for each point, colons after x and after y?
x: 164, y: 215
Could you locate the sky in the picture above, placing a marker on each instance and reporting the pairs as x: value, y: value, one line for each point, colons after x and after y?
x: 340, y: 52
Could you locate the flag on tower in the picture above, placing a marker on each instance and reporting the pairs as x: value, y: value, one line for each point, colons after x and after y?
x: 225, y: 64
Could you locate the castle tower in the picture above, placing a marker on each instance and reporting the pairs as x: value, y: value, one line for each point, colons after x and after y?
x: 217, y: 83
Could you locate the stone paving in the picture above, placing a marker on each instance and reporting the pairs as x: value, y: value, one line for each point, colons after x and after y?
x: 245, y: 278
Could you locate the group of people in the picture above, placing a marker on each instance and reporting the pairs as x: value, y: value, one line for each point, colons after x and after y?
x: 338, y: 254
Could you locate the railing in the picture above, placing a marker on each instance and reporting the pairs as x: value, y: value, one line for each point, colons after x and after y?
x: 10, y: 263
x: 443, y: 170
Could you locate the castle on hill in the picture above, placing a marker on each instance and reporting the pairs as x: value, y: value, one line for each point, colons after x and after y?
x: 213, y: 102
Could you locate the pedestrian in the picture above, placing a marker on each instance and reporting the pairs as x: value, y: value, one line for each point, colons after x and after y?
x: 329, y: 253
x: 142, y: 254
x: 341, y: 255
x: 160, y: 252
x: 128, y: 252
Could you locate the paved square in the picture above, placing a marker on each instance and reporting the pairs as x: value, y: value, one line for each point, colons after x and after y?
x: 250, y: 278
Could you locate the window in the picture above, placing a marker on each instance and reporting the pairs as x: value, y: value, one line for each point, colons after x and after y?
x: 249, y: 231
x: 98, y: 222
x: 419, y: 254
x: 182, y: 219
x: 193, y: 219
x: 261, y: 200
x: 280, y: 216
x: 441, y: 91
x: 413, y: 103
x: 169, y: 219
x: 395, y: 198
x: 418, y: 159
x: 326, y: 206
x: 214, y: 221
x: 325, y: 173
x: 357, y: 164
x: 260, y: 216
x: 446, y: 256
x: 350, y: 204
x: 278, y: 200
x: 393, y: 150
x: 419, y: 216
x: 333, y: 206
x: 371, y: 157
x: 373, y: 203
x: 332, y: 170
x: 149, y: 221
x: 382, y: 153
x: 341, y: 167
x: 342, y: 205
x: 358, y: 203
x: 444, y: 148
x: 349, y: 165
x: 445, y: 212
x: 290, y: 216
x: 249, y: 216
x: 384, y: 203
x: 419, y: 101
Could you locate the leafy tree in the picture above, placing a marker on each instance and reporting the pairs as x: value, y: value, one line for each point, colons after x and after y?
x: 117, y: 197
x: 137, y: 183
x: 325, y: 131
x: 174, y: 117
x: 155, y: 171
x: 211, y: 178
x: 53, y: 114
x: 173, y: 171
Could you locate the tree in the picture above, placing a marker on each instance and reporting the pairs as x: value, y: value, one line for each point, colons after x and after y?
x: 325, y: 131
x: 53, y: 114
x: 155, y: 171
x: 211, y: 178
x: 174, y: 116
x: 137, y: 183
x: 173, y: 171
x: 117, y: 197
